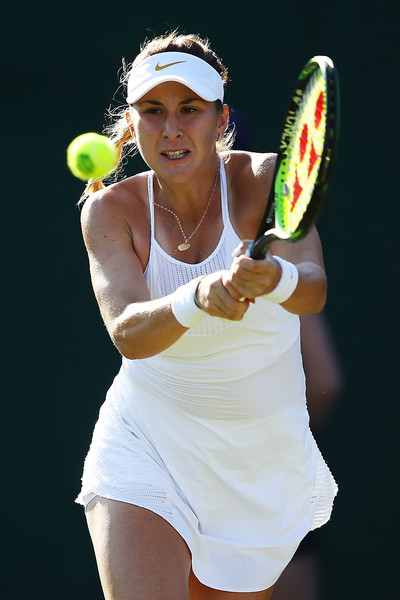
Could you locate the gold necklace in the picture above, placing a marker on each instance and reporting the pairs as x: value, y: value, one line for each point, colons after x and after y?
x: 186, y: 245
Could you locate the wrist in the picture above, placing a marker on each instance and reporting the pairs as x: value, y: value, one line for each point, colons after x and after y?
x: 184, y: 304
x: 286, y: 284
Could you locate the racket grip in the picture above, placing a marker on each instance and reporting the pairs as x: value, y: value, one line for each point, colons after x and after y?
x: 259, y: 248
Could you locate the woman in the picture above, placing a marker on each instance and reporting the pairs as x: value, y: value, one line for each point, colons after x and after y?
x: 202, y: 477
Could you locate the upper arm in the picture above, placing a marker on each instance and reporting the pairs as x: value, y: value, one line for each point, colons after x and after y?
x: 251, y: 176
x: 116, y: 271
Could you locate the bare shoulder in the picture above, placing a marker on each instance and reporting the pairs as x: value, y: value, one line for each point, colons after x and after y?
x: 115, y: 200
x: 259, y: 165
x: 117, y: 214
x: 249, y: 176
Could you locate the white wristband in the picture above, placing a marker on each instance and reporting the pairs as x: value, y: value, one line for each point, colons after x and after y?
x: 287, y: 283
x: 184, y: 306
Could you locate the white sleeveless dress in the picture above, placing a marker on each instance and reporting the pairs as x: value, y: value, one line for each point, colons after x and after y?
x: 213, y: 434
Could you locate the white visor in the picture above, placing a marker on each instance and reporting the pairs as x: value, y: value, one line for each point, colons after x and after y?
x: 182, y: 67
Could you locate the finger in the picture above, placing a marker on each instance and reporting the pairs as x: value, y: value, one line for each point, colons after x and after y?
x: 235, y: 312
x: 215, y: 299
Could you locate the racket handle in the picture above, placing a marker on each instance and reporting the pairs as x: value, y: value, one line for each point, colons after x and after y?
x: 259, y: 248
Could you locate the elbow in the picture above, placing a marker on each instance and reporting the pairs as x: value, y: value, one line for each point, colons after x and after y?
x: 319, y: 294
x: 313, y: 300
x: 323, y: 296
x: 126, y: 352
x: 123, y: 348
x: 123, y: 342
x: 126, y: 348
x: 130, y: 346
x: 320, y: 300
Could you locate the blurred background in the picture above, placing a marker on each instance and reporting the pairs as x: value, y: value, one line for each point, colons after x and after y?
x: 60, y: 68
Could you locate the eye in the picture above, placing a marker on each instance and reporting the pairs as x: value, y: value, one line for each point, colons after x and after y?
x: 189, y: 109
x: 154, y: 110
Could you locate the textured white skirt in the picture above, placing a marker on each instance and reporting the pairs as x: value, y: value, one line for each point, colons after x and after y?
x: 242, y: 482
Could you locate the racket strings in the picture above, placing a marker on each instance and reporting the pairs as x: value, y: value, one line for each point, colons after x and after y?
x: 299, y: 170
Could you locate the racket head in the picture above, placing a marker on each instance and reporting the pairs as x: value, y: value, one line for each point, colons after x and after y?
x: 305, y: 158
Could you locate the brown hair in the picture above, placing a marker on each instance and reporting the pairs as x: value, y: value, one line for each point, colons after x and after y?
x: 117, y: 128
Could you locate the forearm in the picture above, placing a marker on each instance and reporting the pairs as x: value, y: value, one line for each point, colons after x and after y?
x: 309, y: 295
x: 145, y: 329
x: 291, y: 275
x: 299, y: 287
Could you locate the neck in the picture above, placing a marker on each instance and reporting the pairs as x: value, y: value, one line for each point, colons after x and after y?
x: 191, y: 218
x: 188, y: 197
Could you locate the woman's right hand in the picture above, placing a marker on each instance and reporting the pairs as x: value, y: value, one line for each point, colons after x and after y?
x: 214, y: 298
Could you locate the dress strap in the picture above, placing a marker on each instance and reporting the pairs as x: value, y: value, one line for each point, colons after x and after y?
x: 150, y: 195
x: 224, y: 192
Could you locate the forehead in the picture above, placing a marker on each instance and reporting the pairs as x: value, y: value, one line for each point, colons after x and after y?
x: 170, y: 90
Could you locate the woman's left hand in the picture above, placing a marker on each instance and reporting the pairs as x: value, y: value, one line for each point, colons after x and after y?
x: 249, y: 278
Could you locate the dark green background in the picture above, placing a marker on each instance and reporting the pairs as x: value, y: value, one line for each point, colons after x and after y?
x: 59, y: 74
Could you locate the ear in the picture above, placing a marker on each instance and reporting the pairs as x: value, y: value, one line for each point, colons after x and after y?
x: 223, y: 120
x: 128, y: 118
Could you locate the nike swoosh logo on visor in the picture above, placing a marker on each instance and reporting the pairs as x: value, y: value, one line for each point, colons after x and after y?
x: 160, y: 68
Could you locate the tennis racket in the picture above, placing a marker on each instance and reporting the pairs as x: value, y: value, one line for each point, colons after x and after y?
x: 305, y: 158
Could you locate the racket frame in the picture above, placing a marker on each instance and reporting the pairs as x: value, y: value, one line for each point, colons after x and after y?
x: 269, y: 230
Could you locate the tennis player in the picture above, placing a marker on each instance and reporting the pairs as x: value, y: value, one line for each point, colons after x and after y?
x: 203, y: 476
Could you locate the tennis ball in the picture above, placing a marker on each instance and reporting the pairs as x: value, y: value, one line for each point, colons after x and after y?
x: 91, y: 156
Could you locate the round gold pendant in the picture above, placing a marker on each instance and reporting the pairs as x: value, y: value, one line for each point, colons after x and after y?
x: 183, y: 247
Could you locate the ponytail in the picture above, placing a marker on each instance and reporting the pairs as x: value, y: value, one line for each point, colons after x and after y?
x: 120, y: 134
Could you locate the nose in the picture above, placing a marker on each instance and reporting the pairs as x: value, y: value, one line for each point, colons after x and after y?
x: 171, y: 129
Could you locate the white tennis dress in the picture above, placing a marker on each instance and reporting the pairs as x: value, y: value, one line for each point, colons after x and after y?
x: 213, y: 434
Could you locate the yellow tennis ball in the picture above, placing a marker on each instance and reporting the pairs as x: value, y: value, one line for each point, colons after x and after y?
x: 91, y: 156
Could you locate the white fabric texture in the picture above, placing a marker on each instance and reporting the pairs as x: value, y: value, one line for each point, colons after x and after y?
x: 184, y: 306
x: 287, y: 283
x: 213, y: 435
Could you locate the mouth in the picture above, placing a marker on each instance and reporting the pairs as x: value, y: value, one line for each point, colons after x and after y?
x: 175, y: 155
